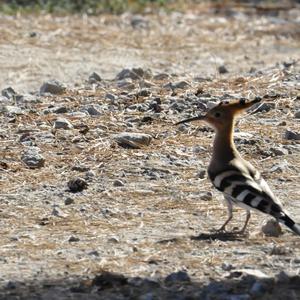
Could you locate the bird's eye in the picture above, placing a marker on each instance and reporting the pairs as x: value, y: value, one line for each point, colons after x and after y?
x: 217, y: 115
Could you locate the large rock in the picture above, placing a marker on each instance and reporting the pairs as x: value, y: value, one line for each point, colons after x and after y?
x: 32, y: 158
x: 132, y: 140
x: 134, y: 73
x: 53, y: 87
x: 9, y: 93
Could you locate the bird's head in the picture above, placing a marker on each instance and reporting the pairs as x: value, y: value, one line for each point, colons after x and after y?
x: 223, y: 114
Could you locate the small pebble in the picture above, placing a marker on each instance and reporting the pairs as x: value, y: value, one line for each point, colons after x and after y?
x: 222, y: 69
x: 93, y: 111
x: 62, y: 123
x: 201, y: 174
x: 279, y: 151
x: 73, y: 239
x: 69, y: 201
x: 291, y: 135
x: 272, y: 228
x: 118, y: 183
x: 77, y: 184
x: 94, y: 77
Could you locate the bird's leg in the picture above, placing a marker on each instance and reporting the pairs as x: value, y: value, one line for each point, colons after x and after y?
x: 246, y: 222
x: 229, y: 208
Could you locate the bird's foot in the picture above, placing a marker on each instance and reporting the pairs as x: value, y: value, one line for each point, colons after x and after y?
x: 242, y: 231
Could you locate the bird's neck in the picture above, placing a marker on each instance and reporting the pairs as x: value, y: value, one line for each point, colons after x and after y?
x: 224, y: 148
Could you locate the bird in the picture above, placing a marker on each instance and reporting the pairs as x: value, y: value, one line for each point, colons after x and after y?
x: 238, y: 180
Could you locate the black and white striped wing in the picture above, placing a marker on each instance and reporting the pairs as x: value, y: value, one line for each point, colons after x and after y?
x: 247, y: 192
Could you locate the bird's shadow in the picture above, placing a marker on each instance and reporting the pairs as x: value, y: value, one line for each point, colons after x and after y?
x: 219, y: 236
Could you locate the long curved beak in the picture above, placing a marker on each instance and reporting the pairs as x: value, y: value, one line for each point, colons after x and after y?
x: 197, y: 118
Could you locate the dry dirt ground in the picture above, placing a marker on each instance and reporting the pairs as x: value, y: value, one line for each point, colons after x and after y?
x: 144, y: 226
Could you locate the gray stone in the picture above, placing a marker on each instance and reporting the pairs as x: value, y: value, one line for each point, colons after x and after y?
x: 222, y: 69
x: 272, y: 228
x: 4, y: 100
x: 291, y: 135
x: 146, y: 84
x: 8, y: 92
x: 62, y: 123
x: 73, y: 239
x: 53, y: 87
x: 279, y: 151
x: 181, y: 84
x: 13, y: 110
x: 94, y: 77
x: 139, y: 21
x: 176, y: 85
x: 132, y: 140
x: 227, y: 266
x: 280, y: 250
x: 118, y: 183
x: 126, y: 84
x: 93, y: 111
x: 206, y: 196
x: 180, y: 276
x: 135, y: 73
x: 59, y: 110
x: 161, y: 76
x: 199, y: 149
x: 32, y: 158
x: 69, y: 201
x: 27, y: 98
x: 77, y: 184
x: 110, y: 96
x: 280, y: 168
x: 297, y: 114
x: 144, y: 93
x: 184, y: 128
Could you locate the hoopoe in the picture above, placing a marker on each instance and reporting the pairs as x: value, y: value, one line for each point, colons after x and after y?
x: 236, y: 178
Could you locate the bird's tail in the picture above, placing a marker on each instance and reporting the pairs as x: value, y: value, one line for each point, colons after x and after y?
x: 287, y: 221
